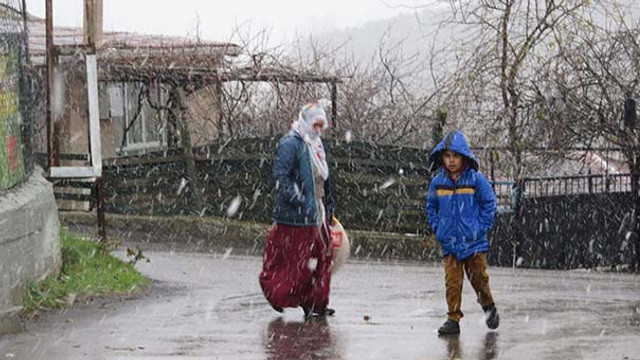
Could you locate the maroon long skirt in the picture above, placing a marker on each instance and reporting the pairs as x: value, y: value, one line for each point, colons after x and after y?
x: 296, y: 268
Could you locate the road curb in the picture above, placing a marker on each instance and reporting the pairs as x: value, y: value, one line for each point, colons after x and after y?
x: 219, y: 233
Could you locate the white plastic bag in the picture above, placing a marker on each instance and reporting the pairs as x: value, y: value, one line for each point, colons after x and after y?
x: 340, y: 243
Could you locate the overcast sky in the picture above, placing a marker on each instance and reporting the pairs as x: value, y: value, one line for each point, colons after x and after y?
x: 217, y: 19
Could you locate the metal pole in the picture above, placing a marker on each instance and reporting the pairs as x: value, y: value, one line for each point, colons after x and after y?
x: 334, y: 105
x: 630, y: 121
x: 52, y: 128
x: 25, y: 91
x: 218, y: 99
x: 493, y: 175
x: 102, y: 222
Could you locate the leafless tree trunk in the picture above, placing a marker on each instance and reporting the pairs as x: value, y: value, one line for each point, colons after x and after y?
x: 179, y: 109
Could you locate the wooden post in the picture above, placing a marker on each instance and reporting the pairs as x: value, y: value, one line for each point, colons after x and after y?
x: 93, y: 23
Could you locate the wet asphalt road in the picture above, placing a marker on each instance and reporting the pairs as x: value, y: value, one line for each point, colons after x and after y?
x: 209, y: 306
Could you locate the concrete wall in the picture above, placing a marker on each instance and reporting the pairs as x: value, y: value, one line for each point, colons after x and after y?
x: 29, y: 243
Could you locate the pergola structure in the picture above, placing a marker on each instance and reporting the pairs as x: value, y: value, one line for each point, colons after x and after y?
x: 138, y: 58
x: 200, y: 77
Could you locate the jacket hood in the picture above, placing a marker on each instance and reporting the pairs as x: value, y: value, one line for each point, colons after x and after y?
x: 454, y: 141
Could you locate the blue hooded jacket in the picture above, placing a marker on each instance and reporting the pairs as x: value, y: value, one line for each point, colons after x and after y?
x: 295, y: 201
x: 460, y: 212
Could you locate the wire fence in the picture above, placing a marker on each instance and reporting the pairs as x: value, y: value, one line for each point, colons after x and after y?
x: 16, y: 104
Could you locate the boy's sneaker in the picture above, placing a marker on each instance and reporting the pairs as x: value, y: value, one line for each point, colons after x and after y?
x: 449, y: 327
x: 492, y: 319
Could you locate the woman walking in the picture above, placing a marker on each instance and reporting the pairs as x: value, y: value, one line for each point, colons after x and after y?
x: 297, y: 255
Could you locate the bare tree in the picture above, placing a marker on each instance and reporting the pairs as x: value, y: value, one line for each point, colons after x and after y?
x: 382, y: 100
x: 597, y: 70
x: 390, y: 98
x: 503, y: 48
x: 597, y: 79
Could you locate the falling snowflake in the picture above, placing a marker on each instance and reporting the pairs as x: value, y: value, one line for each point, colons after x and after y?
x: 387, y: 183
x: 313, y: 263
x: 233, y: 207
x: 348, y: 137
x: 183, y: 184
x: 227, y: 253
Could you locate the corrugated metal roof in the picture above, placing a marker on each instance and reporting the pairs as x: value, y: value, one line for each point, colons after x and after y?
x: 128, y: 45
x: 133, y: 55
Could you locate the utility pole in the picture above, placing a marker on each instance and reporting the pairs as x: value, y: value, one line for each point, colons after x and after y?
x: 53, y: 136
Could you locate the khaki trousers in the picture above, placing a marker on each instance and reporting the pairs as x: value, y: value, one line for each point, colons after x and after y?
x: 475, y: 267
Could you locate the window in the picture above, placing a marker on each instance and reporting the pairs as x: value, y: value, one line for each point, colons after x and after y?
x: 138, y: 125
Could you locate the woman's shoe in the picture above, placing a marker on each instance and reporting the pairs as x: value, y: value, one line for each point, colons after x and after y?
x: 325, y: 312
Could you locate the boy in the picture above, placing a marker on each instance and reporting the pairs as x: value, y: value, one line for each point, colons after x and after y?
x: 460, y: 209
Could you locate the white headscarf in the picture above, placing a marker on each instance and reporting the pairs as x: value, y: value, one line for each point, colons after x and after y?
x: 310, y: 114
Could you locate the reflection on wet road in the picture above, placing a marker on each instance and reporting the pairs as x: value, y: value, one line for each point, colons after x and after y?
x: 300, y: 339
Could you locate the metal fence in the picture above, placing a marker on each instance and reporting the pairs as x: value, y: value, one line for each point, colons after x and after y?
x: 505, y: 195
x: 16, y: 103
x: 549, y: 186
x: 572, y: 185
x: 568, y: 222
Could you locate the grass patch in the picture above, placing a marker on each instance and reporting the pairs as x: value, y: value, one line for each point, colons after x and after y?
x: 87, y: 270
